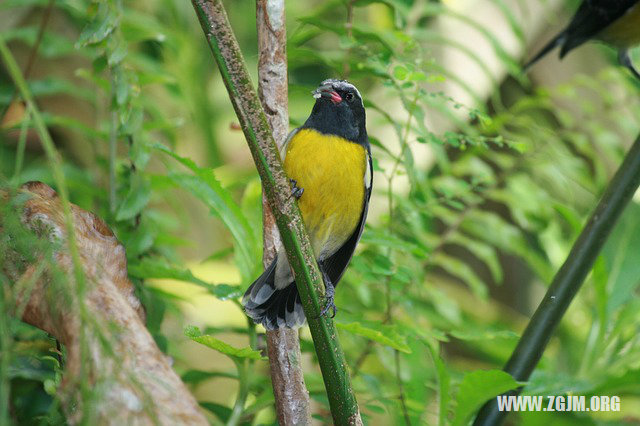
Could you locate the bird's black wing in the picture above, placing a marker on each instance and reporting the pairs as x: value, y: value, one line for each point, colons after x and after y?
x: 592, y: 17
x: 335, y: 265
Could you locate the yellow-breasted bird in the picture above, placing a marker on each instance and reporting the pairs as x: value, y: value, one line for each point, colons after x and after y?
x: 328, y: 161
x: 616, y: 22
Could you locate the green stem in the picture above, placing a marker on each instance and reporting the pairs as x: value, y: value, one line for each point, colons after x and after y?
x: 403, y: 399
x: 22, y: 144
x: 243, y: 392
x: 569, y: 278
x: 225, y: 49
x: 113, y: 140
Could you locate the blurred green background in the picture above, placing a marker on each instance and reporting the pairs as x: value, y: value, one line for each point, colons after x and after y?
x: 483, y: 178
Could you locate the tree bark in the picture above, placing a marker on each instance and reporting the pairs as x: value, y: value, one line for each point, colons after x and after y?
x: 289, y: 390
x: 110, y: 354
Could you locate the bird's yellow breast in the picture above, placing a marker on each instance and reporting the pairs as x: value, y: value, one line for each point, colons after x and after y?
x: 331, y: 171
x: 625, y: 31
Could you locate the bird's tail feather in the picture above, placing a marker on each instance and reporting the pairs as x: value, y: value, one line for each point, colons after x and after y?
x: 273, y: 308
x: 557, y: 41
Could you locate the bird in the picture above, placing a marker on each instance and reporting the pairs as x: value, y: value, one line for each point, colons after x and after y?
x: 615, y: 22
x: 328, y: 163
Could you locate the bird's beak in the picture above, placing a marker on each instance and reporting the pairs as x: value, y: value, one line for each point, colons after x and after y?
x: 327, y: 92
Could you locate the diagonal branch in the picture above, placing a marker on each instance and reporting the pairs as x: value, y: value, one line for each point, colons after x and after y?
x: 226, y: 52
x: 569, y: 278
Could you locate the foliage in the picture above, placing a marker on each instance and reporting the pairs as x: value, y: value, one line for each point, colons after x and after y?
x: 209, y: 341
x: 476, y: 203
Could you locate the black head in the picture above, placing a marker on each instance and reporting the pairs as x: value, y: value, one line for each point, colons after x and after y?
x: 338, y: 111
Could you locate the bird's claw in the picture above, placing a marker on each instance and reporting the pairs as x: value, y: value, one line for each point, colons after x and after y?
x: 295, y: 191
x: 329, y: 304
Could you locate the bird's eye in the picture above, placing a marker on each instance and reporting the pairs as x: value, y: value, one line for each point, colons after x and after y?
x: 348, y: 96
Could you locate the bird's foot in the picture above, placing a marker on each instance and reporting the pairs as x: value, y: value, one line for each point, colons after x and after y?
x: 329, y: 304
x: 295, y: 191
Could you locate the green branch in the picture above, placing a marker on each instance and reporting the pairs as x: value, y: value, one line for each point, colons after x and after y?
x: 226, y: 52
x: 569, y: 278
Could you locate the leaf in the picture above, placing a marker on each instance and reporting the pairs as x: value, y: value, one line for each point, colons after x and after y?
x: 102, y: 25
x: 137, y: 26
x: 49, y: 86
x: 204, y: 185
x: 52, y: 45
x: 195, y: 377
x: 135, y: 200
x: 221, y: 411
x: 209, y: 341
x: 483, y: 334
x: 158, y: 268
x: 385, y: 336
x: 260, y: 403
x: 476, y: 388
x: 375, y: 408
x: 493, y: 229
x: 627, y: 382
x: 458, y: 268
x: 485, y: 252
x: 444, y: 385
x: 621, y: 260
x: 560, y: 383
x: 400, y: 72
x: 122, y: 86
x: 379, y: 238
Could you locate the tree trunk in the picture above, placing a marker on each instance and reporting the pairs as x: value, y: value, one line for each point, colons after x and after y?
x: 291, y: 395
x: 114, y: 373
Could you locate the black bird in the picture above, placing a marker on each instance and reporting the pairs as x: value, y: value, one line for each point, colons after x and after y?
x: 328, y: 160
x: 616, y: 22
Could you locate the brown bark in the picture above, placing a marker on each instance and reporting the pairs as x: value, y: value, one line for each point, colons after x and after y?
x: 129, y: 378
x: 291, y: 395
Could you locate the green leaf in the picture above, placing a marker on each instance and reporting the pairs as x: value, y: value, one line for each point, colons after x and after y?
x: 204, y: 185
x: 484, y: 335
x: 400, y: 72
x: 381, y: 238
x: 375, y: 408
x: 458, y: 268
x: 49, y: 86
x: 52, y: 45
x: 221, y: 411
x: 485, y: 252
x: 444, y: 385
x: 476, y: 388
x: 621, y: 260
x: 122, y: 86
x: 117, y: 53
x: 209, y: 341
x: 158, y: 268
x: 135, y: 200
x: 195, y: 377
x: 493, y: 229
x: 101, y: 26
x: 385, y: 335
